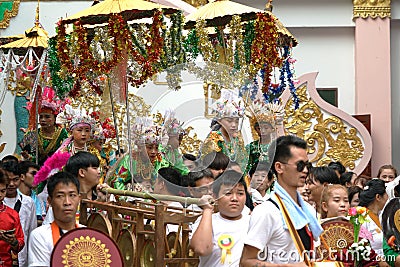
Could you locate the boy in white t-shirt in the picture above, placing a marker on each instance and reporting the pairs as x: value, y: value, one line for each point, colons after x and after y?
x: 218, y: 238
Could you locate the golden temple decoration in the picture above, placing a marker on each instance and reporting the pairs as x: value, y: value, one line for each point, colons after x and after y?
x: 371, y: 8
x: 86, y: 251
x: 21, y: 86
x: 328, y: 137
x: 8, y: 14
x: 190, y: 143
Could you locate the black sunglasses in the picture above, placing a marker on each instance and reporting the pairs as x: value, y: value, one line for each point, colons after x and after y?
x: 300, y: 165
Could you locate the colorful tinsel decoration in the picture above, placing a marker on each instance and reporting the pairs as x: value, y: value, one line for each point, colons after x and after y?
x: 236, y: 44
x: 205, y: 46
x: 264, y: 49
x: 61, y: 86
x: 77, y: 61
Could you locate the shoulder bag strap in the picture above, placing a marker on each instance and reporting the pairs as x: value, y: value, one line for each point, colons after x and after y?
x: 293, y: 233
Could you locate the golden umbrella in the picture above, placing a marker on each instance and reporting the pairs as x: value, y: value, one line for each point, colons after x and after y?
x: 220, y: 13
x: 129, y: 9
x: 34, y: 37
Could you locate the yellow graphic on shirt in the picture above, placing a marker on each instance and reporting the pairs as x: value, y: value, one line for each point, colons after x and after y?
x: 225, y: 242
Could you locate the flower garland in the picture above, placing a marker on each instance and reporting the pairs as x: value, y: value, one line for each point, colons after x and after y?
x: 264, y: 48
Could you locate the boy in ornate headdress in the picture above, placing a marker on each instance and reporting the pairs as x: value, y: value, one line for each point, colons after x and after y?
x: 80, y: 127
x: 263, y: 119
x: 225, y: 135
x: 97, y: 145
x: 146, y: 158
x: 50, y: 135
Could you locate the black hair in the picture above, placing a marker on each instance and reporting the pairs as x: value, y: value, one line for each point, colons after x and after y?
x: 81, y: 160
x: 371, y: 189
x: 216, y: 160
x: 388, y: 220
x: 3, y: 178
x: 337, y: 166
x: 352, y: 191
x: 9, y: 158
x: 261, y: 166
x: 172, y: 178
x: 324, y: 175
x: 228, y: 178
x: 195, y: 175
x: 189, y: 157
x: 279, y: 149
x: 10, y: 166
x: 231, y: 178
x: 61, y: 178
x: 215, y: 126
x: 23, y: 166
x: 346, y: 178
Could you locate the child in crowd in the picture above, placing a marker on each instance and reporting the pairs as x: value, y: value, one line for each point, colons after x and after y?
x: 354, y: 195
x: 334, y: 201
x: 261, y: 180
x: 218, y: 237
x: 318, y: 178
x: 347, y: 178
x: 11, y: 234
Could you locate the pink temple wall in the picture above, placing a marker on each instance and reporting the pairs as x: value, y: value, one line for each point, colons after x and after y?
x: 373, y: 86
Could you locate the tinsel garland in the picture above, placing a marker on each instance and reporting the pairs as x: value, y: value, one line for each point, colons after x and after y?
x: 60, y: 85
x: 248, y: 39
x: 174, y: 52
x: 205, y: 46
x: 286, y: 75
x: 121, y: 38
x: 191, y: 45
x: 155, y: 43
x: 236, y: 42
x: 264, y: 48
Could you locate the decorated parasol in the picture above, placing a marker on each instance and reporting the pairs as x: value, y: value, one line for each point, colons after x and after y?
x: 220, y: 12
x: 253, y: 42
x: 128, y: 9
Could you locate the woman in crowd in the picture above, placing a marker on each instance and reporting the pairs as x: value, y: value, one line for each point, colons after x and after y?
x: 374, y: 198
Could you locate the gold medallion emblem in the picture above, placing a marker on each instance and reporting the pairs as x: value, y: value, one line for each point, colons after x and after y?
x: 86, y: 252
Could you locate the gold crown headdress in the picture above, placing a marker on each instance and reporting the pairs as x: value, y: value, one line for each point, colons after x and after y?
x: 259, y: 112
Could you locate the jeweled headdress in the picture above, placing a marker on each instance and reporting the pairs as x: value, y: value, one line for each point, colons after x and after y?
x: 259, y: 112
x: 75, y: 117
x: 103, y: 129
x: 48, y: 101
x: 228, y: 106
x: 145, y: 132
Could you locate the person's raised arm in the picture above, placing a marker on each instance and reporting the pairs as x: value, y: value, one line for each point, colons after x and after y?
x: 202, y: 240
